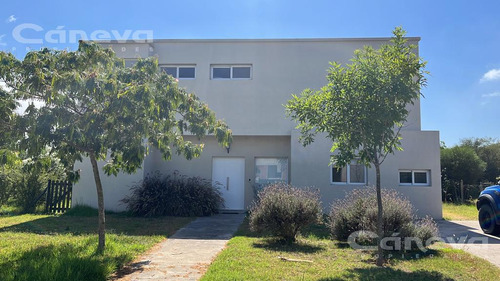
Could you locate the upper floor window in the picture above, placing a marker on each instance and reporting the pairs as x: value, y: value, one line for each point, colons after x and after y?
x: 231, y: 71
x: 414, y: 177
x: 353, y: 173
x: 180, y: 71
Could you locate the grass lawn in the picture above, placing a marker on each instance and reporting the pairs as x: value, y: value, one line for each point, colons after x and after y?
x: 460, y: 212
x: 250, y: 257
x: 47, y: 247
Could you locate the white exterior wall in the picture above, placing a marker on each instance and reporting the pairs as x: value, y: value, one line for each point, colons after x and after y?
x: 254, y: 111
x: 310, y: 167
x: 279, y: 68
x: 114, y: 188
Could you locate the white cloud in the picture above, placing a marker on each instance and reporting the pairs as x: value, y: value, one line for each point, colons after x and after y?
x: 2, y: 43
x: 493, y: 74
x: 491, y: 95
x: 11, y: 18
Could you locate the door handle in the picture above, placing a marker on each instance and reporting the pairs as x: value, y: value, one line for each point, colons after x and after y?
x: 227, y: 183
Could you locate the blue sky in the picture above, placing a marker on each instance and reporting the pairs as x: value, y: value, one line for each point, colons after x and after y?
x: 460, y: 39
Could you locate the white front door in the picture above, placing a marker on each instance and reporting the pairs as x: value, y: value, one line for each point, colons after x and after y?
x: 228, y: 174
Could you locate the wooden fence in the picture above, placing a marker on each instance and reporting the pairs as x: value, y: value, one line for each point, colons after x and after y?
x: 58, y: 196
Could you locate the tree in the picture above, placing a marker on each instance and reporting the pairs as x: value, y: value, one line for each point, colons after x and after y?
x: 8, y: 157
x: 488, y: 150
x: 96, y: 107
x: 363, y: 107
x: 460, y: 163
x: 491, y: 155
x: 7, y: 116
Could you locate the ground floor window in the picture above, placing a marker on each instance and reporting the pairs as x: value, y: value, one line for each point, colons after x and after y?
x: 271, y: 170
x: 353, y: 173
x: 414, y: 177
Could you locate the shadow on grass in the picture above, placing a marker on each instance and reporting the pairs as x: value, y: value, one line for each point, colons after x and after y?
x: 61, y: 262
x: 267, y: 241
x: 115, y: 223
x: 387, y: 273
x: 318, y: 231
x: 280, y: 246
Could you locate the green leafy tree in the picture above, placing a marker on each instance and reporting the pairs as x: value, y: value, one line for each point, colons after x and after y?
x: 95, y: 107
x: 7, y: 106
x: 461, y: 163
x: 491, y: 155
x: 363, y: 107
x: 488, y: 150
x: 8, y: 157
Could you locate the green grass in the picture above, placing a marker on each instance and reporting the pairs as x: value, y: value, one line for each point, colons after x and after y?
x: 46, y: 247
x: 250, y: 257
x: 465, y: 211
x: 8, y: 210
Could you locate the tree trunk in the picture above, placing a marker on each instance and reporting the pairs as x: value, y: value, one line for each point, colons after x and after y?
x: 100, y: 204
x: 380, y: 226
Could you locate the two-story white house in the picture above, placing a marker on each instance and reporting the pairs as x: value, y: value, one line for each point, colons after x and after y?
x: 247, y: 82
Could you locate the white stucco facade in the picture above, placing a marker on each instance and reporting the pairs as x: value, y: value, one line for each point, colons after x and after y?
x: 253, y: 108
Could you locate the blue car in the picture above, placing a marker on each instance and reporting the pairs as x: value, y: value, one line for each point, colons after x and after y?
x: 488, y: 205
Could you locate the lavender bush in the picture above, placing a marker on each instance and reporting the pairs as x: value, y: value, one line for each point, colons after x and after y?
x: 358, y: 211
x: 284, y: 210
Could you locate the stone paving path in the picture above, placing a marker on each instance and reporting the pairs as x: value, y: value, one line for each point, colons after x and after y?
x: 187, y: 254
x: 468, y: 236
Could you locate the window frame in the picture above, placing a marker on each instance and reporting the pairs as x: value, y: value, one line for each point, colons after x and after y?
x: 286, y: 171
x: 348, y: 175
x: 230, y: 66
x: 177, y: 67
x: 427, y: 174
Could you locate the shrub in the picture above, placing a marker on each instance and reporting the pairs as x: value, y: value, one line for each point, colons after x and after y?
x: 284, y: 210
x: 5, y: 189
x: 174, y: 195
x: 358, y: 211
x: 26, y: 192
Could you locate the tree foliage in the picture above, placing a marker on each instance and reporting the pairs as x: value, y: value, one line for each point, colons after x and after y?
x: 488, y: 150
x: 94, y: 106
x: 473, y: 161
x: 363, y: 106
x: 462, y: 163
x: 7, y: 116
x: 363, y: 102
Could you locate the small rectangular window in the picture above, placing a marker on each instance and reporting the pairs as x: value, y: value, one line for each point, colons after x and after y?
x: 339, y: 174
x: 221, y: 73
x: 356, y: 173
x: 186, y: 72
x: 181, y: 72
x: 231, y: 72
x: 241, y: 72
x: 405, y: 177
x: 420, y: 177
x: 170, y: 71
x: 351, y: 174
x: 414, y: 177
